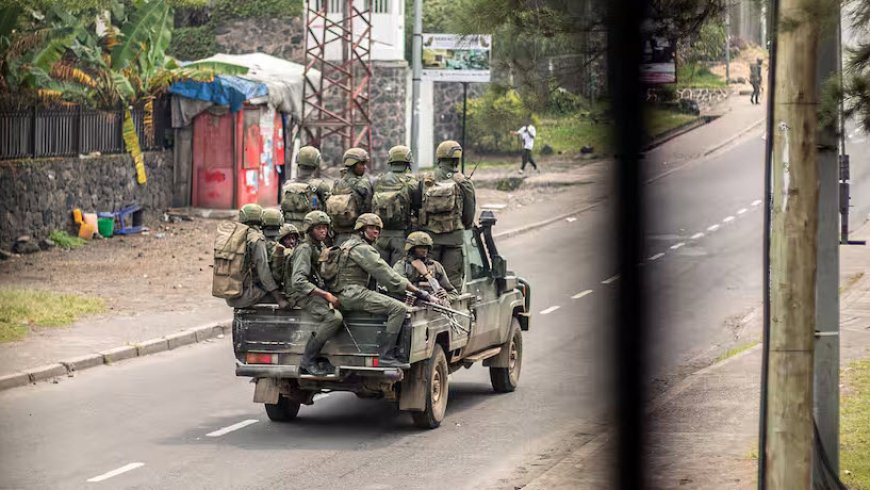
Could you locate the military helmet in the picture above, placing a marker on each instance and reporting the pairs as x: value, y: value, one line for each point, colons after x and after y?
x: 355, y: 155
x: 273, y: 217
x: 418, y: 239
x: 251, y: 214
x: 448, y: 149
x: 400, y: 154
x: 368, y: 219
x: 313, y: 219
x: 308, y: 156
x: 287, y: 229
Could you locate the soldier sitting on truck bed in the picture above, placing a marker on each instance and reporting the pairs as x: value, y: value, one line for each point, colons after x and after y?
x: 286, y: 241
x: 421, y: 270
x: 351, y: 270
x: 304, y: 286
x: 258, y: 281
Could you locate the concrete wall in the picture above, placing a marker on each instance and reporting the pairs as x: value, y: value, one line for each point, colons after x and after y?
x: 38, y: 196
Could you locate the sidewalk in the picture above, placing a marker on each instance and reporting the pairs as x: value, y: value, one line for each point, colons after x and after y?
x: 706, y: 427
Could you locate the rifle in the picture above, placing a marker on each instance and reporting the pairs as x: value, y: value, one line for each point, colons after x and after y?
x: 421, y: 269
x: 474, y: 169
x: 440, y: 309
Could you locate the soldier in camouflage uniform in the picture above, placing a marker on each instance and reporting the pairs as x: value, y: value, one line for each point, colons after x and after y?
x: 258, y: 281
x: 272, y: 221
x: 448, y: 210
x: 303, y: 285
x: 417, y: 247
x: 351, y: 194
x: 359, y: 266
x: 396, y: 198
x: 305, y: 192
x: 286, y: 241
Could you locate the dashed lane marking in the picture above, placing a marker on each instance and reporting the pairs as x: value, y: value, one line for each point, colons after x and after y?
x: 677, y: 245
x: 713, y: 227
x: 549, y: 310
x: 581, y: 294
x: 116, y: 472
x: 610, y: 279
x: 656, y: 256
x: 697, y: 236
x: 741, y: 210
x: 571, y: 219
x: 227, y: 430
x: 728, y: 219
x: 756, y: 202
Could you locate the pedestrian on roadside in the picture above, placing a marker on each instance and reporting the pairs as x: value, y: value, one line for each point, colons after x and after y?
x: 527, y: 133
x: 755, y: 80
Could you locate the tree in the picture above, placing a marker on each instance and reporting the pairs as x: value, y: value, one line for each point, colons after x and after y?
x: 855, y: 91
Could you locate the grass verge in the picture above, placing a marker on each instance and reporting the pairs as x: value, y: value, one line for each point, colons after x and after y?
x: 737, y: 349
x: 698, y: 76
x: 22, y: 309
x: 855, y: 426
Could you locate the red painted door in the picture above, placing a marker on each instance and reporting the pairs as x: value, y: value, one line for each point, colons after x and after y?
x: 213, y: 161
x: 249, y: 166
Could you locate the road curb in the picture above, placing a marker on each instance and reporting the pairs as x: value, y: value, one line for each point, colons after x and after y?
x: 540, y: 224
x: 735, y: 137
x: 65, y: 367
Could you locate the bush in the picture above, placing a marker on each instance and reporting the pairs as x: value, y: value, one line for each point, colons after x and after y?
x: 193, y: 43
x: 65, y: 240
x: 564, y: 102
x: 491, y: 118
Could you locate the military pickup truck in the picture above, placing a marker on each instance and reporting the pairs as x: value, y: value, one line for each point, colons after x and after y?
x: 490, y: 316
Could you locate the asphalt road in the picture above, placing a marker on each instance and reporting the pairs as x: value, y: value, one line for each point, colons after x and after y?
x: 181, y: 419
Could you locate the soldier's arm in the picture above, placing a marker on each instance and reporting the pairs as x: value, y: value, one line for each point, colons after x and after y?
x: 287, y: 280
x: 301, y: 265
x: 260, y: 258
x: 370, y: 260
x: 367, y: 192
x: 469, y: 203
x: 399, y: 268
x: 415, y: 186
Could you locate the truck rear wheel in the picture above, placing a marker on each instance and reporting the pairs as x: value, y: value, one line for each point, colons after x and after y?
x: 283, y: 411
x: 435, y: 376
x: 505, y: 379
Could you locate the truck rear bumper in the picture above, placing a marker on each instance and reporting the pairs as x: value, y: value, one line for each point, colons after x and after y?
x: 292, y: 371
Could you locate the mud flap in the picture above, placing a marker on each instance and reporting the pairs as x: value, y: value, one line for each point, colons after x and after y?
x: 266, y: 391
x: 414, y: 389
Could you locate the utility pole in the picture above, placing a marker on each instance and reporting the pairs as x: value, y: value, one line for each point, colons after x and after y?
x: 827, y: 352
x: 417, y: 71
x: 794, y: 224
x: 727, y: 46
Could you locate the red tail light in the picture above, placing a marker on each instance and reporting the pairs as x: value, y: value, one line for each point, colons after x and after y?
x: 260, y: 358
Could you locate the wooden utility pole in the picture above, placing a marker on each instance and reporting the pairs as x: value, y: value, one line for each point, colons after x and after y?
x: 794, y: 224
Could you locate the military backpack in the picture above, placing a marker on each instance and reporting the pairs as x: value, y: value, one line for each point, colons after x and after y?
x: 442, y: 204
x: 392, y: 202
x: 343, y: 205
x: 332, y: 260
x: 230, y: 244
x: 299, y: 199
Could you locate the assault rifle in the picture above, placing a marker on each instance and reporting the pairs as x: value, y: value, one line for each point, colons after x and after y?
x: 474, y: 169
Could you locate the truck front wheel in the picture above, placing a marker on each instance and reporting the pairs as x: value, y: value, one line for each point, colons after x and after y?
x: 435, y: 376
x: 283, y: 411
x: 505, y: 379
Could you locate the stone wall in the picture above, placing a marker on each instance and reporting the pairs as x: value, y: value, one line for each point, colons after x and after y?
x: 38, y: 196
x: 389, y: 96
x: 447, y: 99
x: 282, y: 38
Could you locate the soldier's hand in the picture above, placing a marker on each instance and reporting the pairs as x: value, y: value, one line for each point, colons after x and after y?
x: 333, y: 300
x: 423, y: 295
x: 442, y: 294
x: 283, y: 304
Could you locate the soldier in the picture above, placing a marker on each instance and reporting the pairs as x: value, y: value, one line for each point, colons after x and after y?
x: 304, y: 286
x: 305, y: 192
x: 755, y: 80
x: 286, y: 241
x: 396, y: 197
x: 447, y: 210
x: 272, y: 221
x: 258, y: 281
x: 351, y: 194
x: 421, y: 270
x: 357, y: 263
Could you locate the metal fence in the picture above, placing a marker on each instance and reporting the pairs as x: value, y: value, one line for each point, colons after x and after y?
x: 74, y: 131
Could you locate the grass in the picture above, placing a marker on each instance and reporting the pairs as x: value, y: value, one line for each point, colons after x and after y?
x: 65, y: 240
x: 22, y: 309
x: 737, y: 349
x: 702, y: 77
x: 661, y: 121
x: 855, y: 427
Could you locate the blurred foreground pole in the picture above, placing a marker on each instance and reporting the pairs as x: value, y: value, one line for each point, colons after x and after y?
x: 794, y: 223
x: 629, y: 336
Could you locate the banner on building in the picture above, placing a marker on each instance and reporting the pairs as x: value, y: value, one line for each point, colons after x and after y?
x: 457, y: 58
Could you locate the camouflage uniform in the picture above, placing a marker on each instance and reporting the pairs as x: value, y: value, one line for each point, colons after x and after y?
x: 398, y: 180
x: 307, y: 163
x: 360, y: 186
x: 301, y: 278
x: 258, y: 281
x: 436, y: 270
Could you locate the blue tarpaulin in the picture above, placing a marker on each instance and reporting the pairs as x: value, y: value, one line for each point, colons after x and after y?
x: 225, y: 90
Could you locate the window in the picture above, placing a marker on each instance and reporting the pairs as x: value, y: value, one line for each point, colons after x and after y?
x: 381, y: 7
x: 335, y: 6
x: 476, y: 260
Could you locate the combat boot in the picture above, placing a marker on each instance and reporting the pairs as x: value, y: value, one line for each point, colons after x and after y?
x: 312, y: 348
x: 386, y: 356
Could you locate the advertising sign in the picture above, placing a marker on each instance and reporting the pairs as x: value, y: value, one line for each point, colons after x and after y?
x: 456, y: 58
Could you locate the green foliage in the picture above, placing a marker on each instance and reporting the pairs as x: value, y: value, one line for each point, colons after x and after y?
x: 564, y: 102
x: 491, y: 118
x: 855, y: 426
x: 193, y: 43
x: 224, y: 10
x: 22, y: 309
x: 698, y: 76
x: 65, y: 240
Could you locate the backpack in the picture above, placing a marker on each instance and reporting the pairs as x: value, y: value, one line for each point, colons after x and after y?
x: 276, y: 262
x: 442, y: 205
x: 332, y: 260
x: 343, y: 205
x: 392, y: 202
x: 230, y: 244
x: 298, y: 199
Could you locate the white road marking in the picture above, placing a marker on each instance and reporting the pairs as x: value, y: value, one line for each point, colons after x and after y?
x: 713, y: 228
x: 741, y: 210
x: 656, y: 256
x: 728, y: 219
x: 610, y: 279
x: 756, y: 202
x: 320, y: 396
x: 860, y: 140
x: 697, y: 236
x: 549, y: 310
x: 227, y: 430
x: 123, y: 469
x: 677, y: 245
x: 581, y: 294
x: 570, y: 220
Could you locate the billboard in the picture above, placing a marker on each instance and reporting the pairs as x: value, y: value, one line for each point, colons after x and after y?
x: 456, y: 58
x: 659, y: 62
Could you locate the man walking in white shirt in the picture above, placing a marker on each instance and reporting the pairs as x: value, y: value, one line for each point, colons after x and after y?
x: 527, y: 134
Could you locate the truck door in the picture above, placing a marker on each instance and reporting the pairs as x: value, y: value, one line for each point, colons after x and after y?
x: 480, y: 283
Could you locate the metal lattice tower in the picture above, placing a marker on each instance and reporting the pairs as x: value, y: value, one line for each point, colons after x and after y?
x: 338, y: 45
